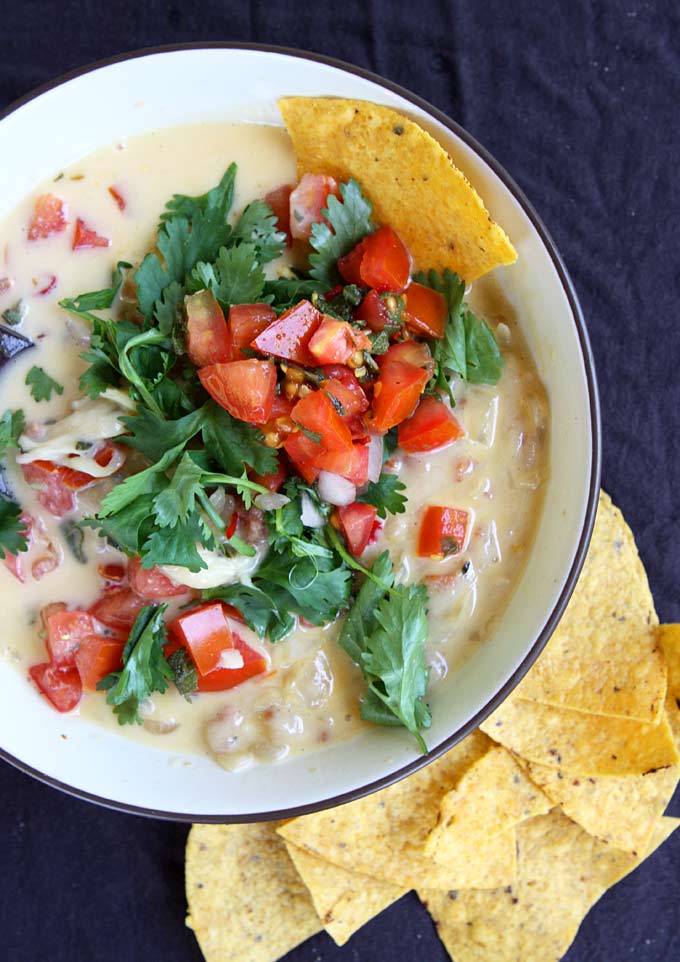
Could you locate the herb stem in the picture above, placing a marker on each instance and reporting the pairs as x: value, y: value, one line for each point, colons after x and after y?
x: 130, y: 374
x: 352, y: 562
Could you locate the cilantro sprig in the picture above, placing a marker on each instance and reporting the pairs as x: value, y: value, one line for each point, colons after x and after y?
x: 13, y: 531
x: 350, y: 221
x: 41, y: 385
x: 144, y: 669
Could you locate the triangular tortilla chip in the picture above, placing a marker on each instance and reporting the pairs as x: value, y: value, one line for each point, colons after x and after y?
x: 247, y: 902
x: 406, y: 174
x: 492, y: 796
x: 344, y: 900
x: 604, y: 656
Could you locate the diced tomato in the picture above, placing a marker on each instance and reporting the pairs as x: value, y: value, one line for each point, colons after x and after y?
x: 117, y: 609
x: 97, y: 657
x: 357, y: 427
x: 152, y: 584
x: 289, y: 336
x: 246, y: 389
x: 279, y: 201
x: 300, y: 449
x: 308, y: 200
x: 49, y: 217
x: 347, y: 378
x: 254, y: 663
x: 348, y: 400
x: 65, y: 632
x: 113, y: 573
x: 374, y: 311
x: 334, y: 342
x: 412, y: 352
x: 245, y: 322
x: 206, y: 633
x: 208, y: 339
x: 426, y: 310
x: 280, y: 423
x: 274, y: 480
x: 381, y: 260
x: 84, y: 236
x: 118, y: 197
x: 396, y: 393
x: 356, y: 521
x: 51, y: 491
x: 315, y: 413
x: 357, y: 472
x: 442, y: 532
x: 61, y: 686
x: 431, y: 426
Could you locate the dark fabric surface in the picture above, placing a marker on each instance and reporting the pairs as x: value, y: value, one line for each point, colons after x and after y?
x: 579, y: 101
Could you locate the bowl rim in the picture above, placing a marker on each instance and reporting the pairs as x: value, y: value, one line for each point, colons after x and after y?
x: 596, y: 445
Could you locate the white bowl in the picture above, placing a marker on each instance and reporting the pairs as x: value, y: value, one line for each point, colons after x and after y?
x: 134, y: 94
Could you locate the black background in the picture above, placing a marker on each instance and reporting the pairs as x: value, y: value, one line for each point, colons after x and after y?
x: 580, y: 102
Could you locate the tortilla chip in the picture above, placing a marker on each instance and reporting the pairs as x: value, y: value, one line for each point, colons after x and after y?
x: 492, y: 796
x: 246, y: 901
x: 585, y: 744
x: 669, y: 640
x: 406, y: 174
x: 343, y: 900
x: 604, y: 656
x: 562, y: 872
x: 383, y: 834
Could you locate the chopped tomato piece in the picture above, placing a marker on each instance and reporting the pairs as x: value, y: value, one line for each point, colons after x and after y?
x: 206, y: 633
x: 289, y: 336
x: 97, y: 657
x: 426, y: 310
x: 254, y: 663
x: 246, y: 389
x: 381, y: 261
x: 357, y: 428
x: 431, y: 426
x: 117, y: 609
x: 152, y: 584
x: 113, y: 573
x: 207, y: 333
x: 357, y: 472
x: 118, y: 197
x: 280, y: 423
x: 274, y: 480
x: 52, y: 493
x: 442, y: 532
x: 307, y: 202
x: 334, y: 342
x: 85, y: 236
x: 356, y: 521
x: 61, y: 686
x: 345, y: 400
x: 300, y: 449
x: 348, y: 380
x: 65, y: 632
x: 374, y: 311
x: 279, y: 201
x: 16, y: 563
x: 49, y: 217
x: 412, y: 352
x: 316, y: 414
x: 396, y: 393
x: 245, y: 322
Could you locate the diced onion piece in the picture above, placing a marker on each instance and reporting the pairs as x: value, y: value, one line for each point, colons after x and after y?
x: 311, y: 516
x: 231, y: 658
x: 375, y: 457
x: 335, y: 489
x: 270, y: 501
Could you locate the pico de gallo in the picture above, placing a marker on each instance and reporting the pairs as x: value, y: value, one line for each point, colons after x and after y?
x: 256, y: 395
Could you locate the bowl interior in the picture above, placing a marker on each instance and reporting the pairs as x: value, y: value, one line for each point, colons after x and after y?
x: 181, y: 86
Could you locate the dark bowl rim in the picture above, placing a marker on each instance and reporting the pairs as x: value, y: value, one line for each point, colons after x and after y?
x: 596, y: 452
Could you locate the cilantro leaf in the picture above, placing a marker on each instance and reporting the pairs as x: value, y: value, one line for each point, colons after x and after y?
x: 13, y: 531
x: 258, y: 608
x: 41, y: 384
x: 15, y: 315
x: 130, y: 526
x: 468, y: 347
x: 233, y: 444
x: 135, y: 485
x: 350, y: 221
x: 177, y: 545
x: 83, y: 304
x: 184, y: 672
x: 384, y: 633
x: 257, y: 225
x: 178, y: 500
x: 285, y: 292
x: 11, y: 428
x: 144, y: 670
x: 208, y: 212
x: 154, y: 435
x: 235, y: 277
x: 385, y: 494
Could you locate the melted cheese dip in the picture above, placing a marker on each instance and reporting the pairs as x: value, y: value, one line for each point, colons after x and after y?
x: 496, y: 472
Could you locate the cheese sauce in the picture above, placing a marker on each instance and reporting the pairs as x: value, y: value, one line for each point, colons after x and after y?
x: 311, y: 692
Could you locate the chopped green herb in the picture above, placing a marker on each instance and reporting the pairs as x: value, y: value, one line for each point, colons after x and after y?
x: 350, y: 221
x: 41, y: 384
x: 74, y: 537
x: 15, y: 315
x: 184, y: 672
x: 385, y: 494
x: 13, y: 531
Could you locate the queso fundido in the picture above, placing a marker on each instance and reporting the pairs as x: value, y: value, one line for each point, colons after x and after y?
x: 277, y: 476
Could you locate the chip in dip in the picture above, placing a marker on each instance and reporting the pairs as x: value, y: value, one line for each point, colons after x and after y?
x: 211, y: 456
